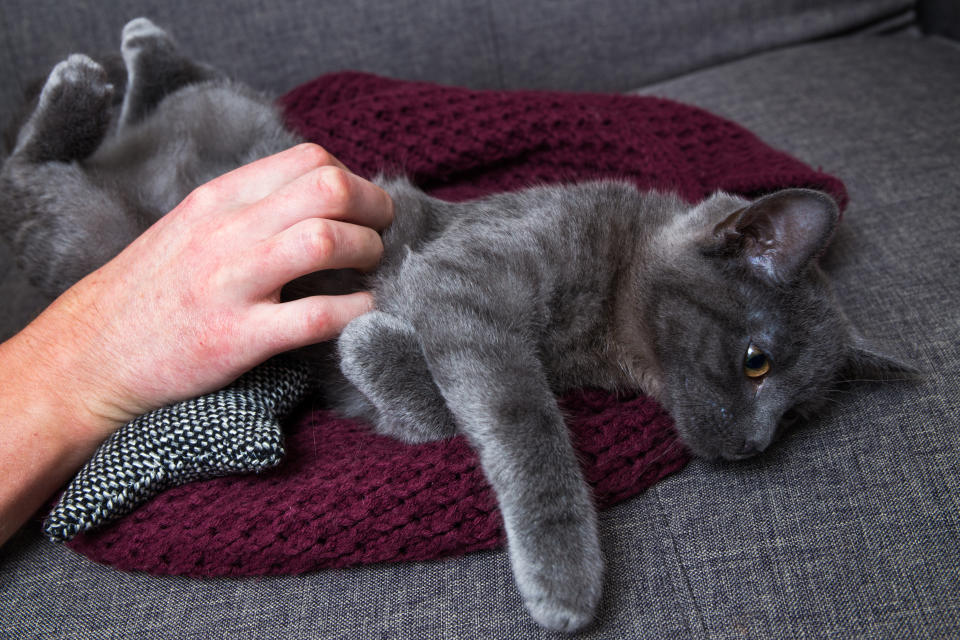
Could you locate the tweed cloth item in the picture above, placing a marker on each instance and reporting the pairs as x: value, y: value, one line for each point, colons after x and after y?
x: 234, y: 430
x: 345, y: 495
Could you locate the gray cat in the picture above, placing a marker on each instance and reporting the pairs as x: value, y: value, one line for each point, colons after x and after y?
x: 485, y: 309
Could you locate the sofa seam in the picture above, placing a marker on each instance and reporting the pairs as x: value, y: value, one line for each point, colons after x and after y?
x: 695, y: 622
x: 498, y: 61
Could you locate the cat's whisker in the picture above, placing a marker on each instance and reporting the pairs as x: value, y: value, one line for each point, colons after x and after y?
x: 892, y: 378
x: 674, y: 445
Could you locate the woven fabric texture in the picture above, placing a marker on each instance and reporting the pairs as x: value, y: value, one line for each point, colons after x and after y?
x: 345, y: 495
x: 459, y: 144
x: 234, y: 430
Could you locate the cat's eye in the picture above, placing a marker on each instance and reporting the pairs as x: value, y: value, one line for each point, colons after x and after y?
x: 756, y: 363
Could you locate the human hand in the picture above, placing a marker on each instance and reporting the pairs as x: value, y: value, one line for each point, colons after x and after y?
x: 195, y: 301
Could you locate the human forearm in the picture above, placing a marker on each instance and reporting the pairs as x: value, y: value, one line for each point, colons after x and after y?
x: 46, y: 431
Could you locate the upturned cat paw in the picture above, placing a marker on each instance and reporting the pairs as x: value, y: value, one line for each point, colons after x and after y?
x: 140, y: 34
x: 155, y: 68
x: 78, y: 73
x: 72, y: 113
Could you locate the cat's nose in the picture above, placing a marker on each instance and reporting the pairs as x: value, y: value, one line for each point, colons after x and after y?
x: 754, y: 444
x: 751, y: 448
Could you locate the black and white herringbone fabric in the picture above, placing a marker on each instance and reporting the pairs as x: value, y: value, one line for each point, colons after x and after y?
x: 234, y: 430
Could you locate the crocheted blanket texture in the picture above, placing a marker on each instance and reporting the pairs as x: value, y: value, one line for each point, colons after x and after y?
x: 344, y: 495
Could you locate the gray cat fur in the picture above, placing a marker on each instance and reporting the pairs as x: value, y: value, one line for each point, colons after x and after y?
x: 485, y: 309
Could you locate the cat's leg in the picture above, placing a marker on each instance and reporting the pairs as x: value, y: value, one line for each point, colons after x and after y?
x: 155, y: 68
x: 493, y: 383
x: 71, y: 117
x: 61, y: 225
x: 381, y: 356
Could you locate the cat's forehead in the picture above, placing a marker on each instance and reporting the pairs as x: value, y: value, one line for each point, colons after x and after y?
x: 707, y: 295
x: 719, y: 205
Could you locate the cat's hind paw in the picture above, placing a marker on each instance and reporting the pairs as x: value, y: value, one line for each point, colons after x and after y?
x: 72, y: 113
x: 141, y: 34
x: 78, y: 73
x: 155, y: 68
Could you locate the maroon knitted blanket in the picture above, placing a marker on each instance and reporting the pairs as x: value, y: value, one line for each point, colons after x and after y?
x: 346, y: 496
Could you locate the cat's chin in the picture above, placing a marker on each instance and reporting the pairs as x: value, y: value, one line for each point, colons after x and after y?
x: 735, y: 457
x: 715, y: 452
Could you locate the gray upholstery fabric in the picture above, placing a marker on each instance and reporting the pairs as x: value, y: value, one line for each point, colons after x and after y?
x: 848, y: 529
x: 939, y: 17
x: 609, y: 45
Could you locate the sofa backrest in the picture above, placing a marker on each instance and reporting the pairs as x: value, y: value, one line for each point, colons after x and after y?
x: 594, y: 45
x: 940, y: 17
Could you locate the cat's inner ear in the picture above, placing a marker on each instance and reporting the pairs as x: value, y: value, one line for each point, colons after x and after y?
x: 780, y: 234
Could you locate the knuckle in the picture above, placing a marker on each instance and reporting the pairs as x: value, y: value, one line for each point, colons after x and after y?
x: 203, y: 197
x: 314, y: 155
x: 374, y: 242
x: 335, y: 186
x: 319, y: 321
x: 319, y: 238
x: 310, y: 326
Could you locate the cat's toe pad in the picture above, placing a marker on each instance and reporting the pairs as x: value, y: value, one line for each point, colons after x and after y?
x: 139, y: 34
x: 141, y: 28
x: 77, y: 74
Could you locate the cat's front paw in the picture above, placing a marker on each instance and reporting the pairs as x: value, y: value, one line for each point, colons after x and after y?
x: 568, y: 605
x: 381, y: 356
x: 561, y: 585
x: 567, y: 617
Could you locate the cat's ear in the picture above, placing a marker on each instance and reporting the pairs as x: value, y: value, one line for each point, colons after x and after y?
x: 780, y: 234
x: 866, y: 363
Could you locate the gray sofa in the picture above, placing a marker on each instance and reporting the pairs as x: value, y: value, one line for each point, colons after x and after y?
x: 849, y: 528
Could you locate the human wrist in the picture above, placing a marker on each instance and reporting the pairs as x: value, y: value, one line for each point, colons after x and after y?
x: 44, y: 439
x: 61, y: 382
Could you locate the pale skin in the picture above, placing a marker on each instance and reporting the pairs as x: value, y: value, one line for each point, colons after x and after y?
x: 185, y: 309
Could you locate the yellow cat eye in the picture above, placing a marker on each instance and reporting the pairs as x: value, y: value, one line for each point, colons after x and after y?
x: 756, y: 363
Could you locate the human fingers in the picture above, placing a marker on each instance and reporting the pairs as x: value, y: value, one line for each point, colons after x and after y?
x: 257, y: 180
x: 314, y: 244
x: 298, y: 323
x: 325, y: 192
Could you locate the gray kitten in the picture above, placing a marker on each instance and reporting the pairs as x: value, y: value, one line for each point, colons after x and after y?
x: 486, y: 310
